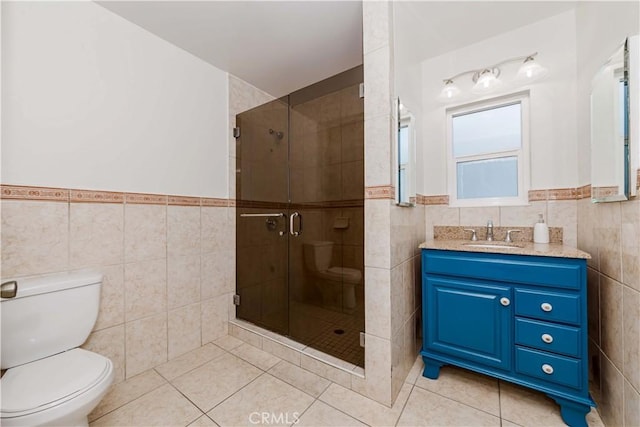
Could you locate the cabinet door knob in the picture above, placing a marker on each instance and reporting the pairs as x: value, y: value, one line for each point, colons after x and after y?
x: 547, y: 369
x: 505, y: 301
x: 545, y: 306
x: 547, y: 338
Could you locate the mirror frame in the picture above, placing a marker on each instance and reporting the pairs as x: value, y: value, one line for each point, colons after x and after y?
x: 403, y: 115
x: 629, y: 159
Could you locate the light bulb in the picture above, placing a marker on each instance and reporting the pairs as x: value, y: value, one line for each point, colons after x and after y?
x: 531, y: 70
x: 449, y: 91
x: 486, y: 81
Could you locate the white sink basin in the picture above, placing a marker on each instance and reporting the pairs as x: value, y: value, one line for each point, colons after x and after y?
x: 491, y: 246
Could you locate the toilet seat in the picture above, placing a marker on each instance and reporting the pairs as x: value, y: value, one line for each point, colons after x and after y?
x: 46, y: 383
x: 344, y: 274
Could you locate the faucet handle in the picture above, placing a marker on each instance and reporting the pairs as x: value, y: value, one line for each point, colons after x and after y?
x: 474, y: 237
x: 507, y: 239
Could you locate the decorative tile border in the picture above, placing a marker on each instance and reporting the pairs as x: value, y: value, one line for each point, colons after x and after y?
x: 19, y: 192
x: 183, y: 201
x: 605, y: 191
x: 380, y: 192
x: 88, y: 196
x: 432, y: 200
x: 584, y: 192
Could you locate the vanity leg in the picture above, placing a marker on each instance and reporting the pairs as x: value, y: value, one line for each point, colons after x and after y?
x: 431, y: 368
x: 573, y: 414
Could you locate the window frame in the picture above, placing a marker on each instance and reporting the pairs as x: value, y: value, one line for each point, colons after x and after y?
x: 522, y: 154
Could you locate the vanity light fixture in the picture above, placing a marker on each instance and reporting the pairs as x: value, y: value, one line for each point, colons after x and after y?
x: 486, y: 79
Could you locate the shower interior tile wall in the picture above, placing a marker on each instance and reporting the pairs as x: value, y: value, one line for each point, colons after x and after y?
x: 168, y: 272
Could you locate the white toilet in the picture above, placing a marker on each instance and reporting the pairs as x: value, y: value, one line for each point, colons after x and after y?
x: 48, y: 379
x: 336, y: 284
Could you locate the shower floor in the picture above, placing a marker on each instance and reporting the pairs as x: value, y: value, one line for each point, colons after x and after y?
x: 329, y: 331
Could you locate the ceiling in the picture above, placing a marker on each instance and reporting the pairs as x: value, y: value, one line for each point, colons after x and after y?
x: 277, y: 46
x: 282, y: 46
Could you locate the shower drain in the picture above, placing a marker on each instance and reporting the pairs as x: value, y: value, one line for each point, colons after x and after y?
x: 338, y: 331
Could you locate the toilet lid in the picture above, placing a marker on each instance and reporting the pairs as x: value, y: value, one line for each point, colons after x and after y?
x: 34, y: 386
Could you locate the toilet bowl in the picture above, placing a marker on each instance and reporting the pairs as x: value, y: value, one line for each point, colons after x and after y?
x: 48, y: 380
x: 336, y: 284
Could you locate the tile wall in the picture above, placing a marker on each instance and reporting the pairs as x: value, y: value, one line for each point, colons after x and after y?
x: 168, y: 273
x: 611, y: 233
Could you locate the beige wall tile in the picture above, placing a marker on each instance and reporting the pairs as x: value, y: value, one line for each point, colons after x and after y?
x: 378, y: 77
x: 612, y: 394
x: 607, y: 234
x: 145, y: 232
x: 378, y: 300
x: 564, y: 213
x: 109, y: 343
x: 183, y: 280
x: 145, y: 288
x: 587, y: 218
x: 377, y: 360
x: 218, y: 273
x: 440, y: 215
x: 96, y: 234
x: 631, y: 336
x: 214, y: 317
x: 282, y: 351
x: 245, y: 335
x: 593, y: 304
x: 377, y: 155
x: 377, y: 25
x: 522, y: 216
x: 184, y: 330
x: 611, y: 320
x: 218, y: 232
x: 478, y: 217
x: 325, y: 370
x: 631, y: 243
x: 146, y: 344
x: 35, y: 237
x: 111, y: 297
x: 227, y: 342
x: 183, y: 230
x: 631, y: 406
x: 377, y: 237
x: 396, y: 304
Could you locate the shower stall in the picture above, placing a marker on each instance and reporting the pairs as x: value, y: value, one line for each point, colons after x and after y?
x: 300, y: 216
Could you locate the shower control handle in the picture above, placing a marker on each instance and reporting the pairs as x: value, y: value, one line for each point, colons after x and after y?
x: 291, y: 224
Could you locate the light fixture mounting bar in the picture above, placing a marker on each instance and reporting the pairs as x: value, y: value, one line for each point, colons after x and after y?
x: 491, y: 67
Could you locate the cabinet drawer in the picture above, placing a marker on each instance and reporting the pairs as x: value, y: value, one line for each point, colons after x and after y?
x: 548, y: 337
x: 549, y: 367
x: 550, y: 306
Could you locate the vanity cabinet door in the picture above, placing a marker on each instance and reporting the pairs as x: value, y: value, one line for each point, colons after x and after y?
x: 469, y: 320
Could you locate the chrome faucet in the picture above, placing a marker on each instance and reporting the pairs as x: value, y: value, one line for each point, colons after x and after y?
x: 489, y: 231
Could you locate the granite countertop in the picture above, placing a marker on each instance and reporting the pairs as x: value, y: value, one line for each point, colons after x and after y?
x: 515, y: 248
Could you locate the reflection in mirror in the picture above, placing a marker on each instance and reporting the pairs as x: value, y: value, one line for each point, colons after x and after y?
x: 405, y: 186
x: 610, y: 169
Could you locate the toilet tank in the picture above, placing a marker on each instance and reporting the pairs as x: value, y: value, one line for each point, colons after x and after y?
x: 49, y: 314
x: 317, y: 255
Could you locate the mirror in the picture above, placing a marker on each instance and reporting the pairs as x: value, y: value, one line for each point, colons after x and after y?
x: 405, y: 155
x: 611, y: 172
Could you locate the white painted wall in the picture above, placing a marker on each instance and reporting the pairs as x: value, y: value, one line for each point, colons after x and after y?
x: 552, y: 100
x: 93, y: 101
x: 601, y: 27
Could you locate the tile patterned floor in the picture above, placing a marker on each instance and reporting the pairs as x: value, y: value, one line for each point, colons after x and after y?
x: 229, y: 383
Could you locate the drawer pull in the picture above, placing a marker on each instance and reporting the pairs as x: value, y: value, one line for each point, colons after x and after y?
x: 547, y: 369
x: 547, y: 338
x: 505, y: 301
x: 545, y: 306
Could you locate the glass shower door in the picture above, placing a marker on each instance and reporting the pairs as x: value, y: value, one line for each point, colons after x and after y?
x: 262, y: 196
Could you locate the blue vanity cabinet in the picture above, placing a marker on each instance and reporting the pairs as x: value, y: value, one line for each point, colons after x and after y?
x: 518, y: 318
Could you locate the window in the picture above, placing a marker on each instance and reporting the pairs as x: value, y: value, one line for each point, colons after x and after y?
x: 488, y: 152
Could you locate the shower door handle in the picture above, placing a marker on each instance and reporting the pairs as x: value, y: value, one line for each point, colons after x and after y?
x: 291, y: 224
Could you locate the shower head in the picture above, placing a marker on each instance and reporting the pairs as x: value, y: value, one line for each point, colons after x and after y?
x: 278, y: 135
